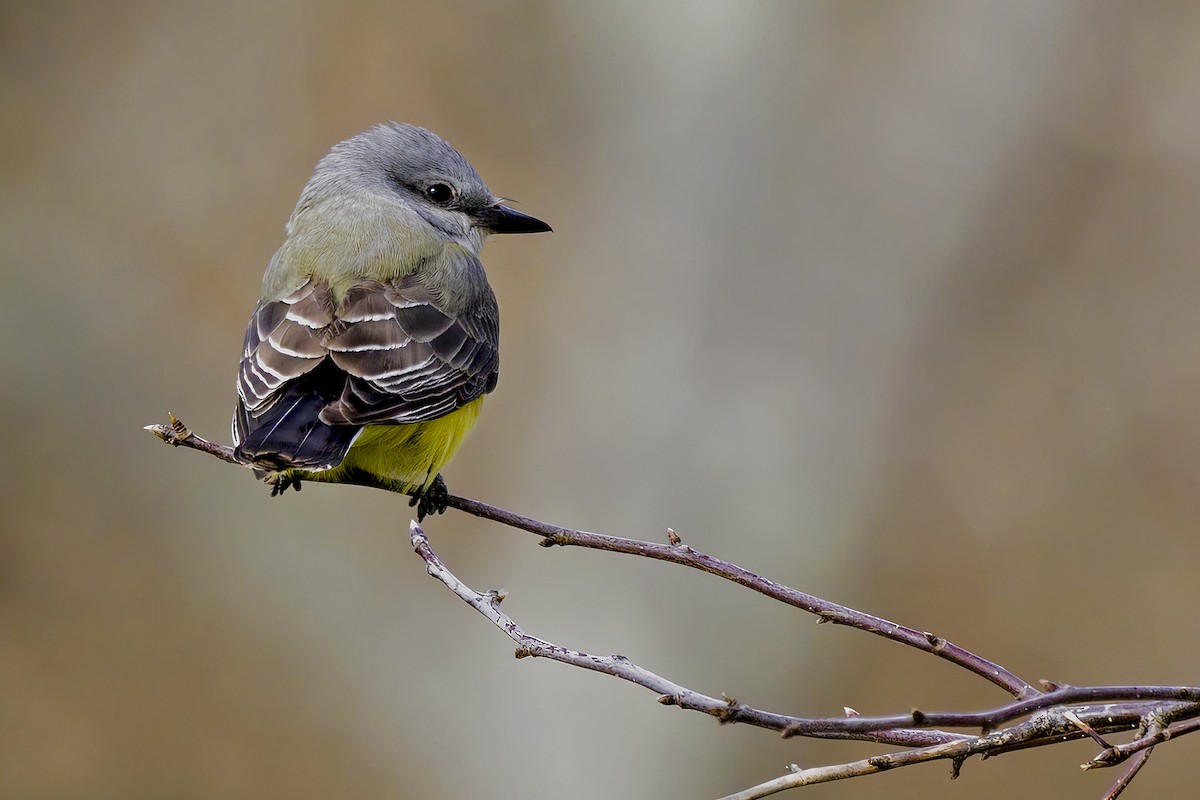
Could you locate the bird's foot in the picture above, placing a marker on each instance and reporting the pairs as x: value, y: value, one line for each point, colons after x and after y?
x: 281, y: 480
x: 431, y: 500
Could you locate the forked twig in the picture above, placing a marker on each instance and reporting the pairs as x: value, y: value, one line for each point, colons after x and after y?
x: 180, y: 435
x: 1033, y: 718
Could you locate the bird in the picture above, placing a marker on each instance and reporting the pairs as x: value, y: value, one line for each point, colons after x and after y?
x: 376, y: 337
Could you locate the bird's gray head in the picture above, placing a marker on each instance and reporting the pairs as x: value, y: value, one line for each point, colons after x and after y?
x: 424, y: 176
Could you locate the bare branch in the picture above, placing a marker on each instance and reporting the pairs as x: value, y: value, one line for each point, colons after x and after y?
x: 825, y: 610
x: 179, y: 435
x: 678, y: 553
x: 1157, y: 728
x: 1044, y: 729
x: 1016, y: 709
x: 1053, y: 714
x: 1056, y: 725
x: 670, y: 693
x: 1131, y: 771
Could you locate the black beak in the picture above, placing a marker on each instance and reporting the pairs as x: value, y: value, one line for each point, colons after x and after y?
x: 502, y: 219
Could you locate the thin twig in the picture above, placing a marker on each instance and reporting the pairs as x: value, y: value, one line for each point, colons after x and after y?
x: 678, y: 553
x: 827, y: 611
x: 1130, y: 772
x: 1157, y: 731
x: 1055, y: 714
x: 1088, y: 729
x: 1010, y: 711
x: 670, y: 693
x: 179, y: 435
x: 988, y: 744
x: 1046, y: 727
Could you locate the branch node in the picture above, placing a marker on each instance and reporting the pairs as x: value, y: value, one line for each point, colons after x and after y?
x: 794, y: 768
x: 956, y: 765
x: 669, y: 699
x: 555, y: 537
x: 936, y: 642
x: 173, y: 434
x: 522, y: 652
x: 730, y: 712
x: 918, y: 716
x: 177, y: 425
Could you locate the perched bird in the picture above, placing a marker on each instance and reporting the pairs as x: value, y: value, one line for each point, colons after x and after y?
x: 377, y: 334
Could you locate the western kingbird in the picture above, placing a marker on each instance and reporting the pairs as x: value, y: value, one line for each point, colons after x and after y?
x: 367, y: 358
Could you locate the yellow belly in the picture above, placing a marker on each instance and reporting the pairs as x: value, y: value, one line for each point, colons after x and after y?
x: 407, y: 456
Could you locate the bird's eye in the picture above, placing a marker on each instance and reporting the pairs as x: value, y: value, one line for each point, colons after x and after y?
x: 439, y: 193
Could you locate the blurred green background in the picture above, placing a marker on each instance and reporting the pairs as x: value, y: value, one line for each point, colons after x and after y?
x: 894, y: 302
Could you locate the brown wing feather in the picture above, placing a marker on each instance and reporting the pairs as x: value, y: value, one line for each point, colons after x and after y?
x: 314, y: 371
x: 406, y: 359
x: 283, y: 342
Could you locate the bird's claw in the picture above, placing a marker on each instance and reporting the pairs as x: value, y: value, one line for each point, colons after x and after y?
x: 281, y: 481
x: 431, y: 500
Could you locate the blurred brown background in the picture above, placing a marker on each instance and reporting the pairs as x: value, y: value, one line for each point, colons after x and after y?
x: 896, y: 303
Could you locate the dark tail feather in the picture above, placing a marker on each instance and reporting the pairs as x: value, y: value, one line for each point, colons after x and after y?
x: 290, y: 435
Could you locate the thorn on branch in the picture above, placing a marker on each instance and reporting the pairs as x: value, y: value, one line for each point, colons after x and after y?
x: 668, y: 699
x: 673, y: 537
x: 850, y: 712
x: 956, y: 765
x: 1105, y: 758
x: 1074, y: 719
